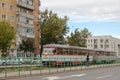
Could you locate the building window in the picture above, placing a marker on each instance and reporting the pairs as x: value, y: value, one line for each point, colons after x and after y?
x: 88, y: 40
x: 4, y: 17
x: 27, y: 21
x: 95, y: 41
x: 106, y: 41
x: 91, y: 45
x: 88, y: 45
x: 95, y: 46
x: 12, y: 18
x: 107, y: 46
x: 101, y: 46
x: 91, y: 40
x: 4, y: 5
x: 30, y: 30
x: 101, y: 41
x: 11, y: 7
x: 29, y: 2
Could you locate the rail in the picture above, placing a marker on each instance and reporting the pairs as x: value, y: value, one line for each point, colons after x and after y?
x: 22, y: 67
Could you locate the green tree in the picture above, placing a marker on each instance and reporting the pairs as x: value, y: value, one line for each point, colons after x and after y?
x: 74, y: 38
x: 53, y: 28
x: 84, y: 34
x: 6, y: 37
x: 78, y: 38
x: 27, y: 45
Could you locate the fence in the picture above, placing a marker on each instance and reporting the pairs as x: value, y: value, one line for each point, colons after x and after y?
x: 21, y: 67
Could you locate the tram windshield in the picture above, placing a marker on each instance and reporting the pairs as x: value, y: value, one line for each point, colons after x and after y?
x: 48, y: 51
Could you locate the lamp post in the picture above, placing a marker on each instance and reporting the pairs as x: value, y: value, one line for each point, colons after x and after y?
x: 41, y: 42
x: 41, y: 45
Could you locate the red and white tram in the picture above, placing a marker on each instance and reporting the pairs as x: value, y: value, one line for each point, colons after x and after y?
x: 56, y: 54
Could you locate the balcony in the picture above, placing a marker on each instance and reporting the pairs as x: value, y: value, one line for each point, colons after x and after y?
x: 28, y: 35
x: 30, y: 25
x: 27, y: 15
x: 30, y: 6
x: 25, y: 25
x: 21, y: 13
x: 23, y: 4
x: 30, y: 16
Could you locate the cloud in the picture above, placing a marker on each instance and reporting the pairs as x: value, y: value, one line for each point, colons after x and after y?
x: 79, y: 10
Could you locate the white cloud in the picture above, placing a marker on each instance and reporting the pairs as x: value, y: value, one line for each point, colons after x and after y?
x: 107, y: 10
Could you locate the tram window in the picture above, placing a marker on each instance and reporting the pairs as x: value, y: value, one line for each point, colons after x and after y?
x: 107, y: 53
x: 91, y: 53
x: 44, y: 51
x: 71, y: 51
x: 60, y: 51
x: 75, y: 51
x: 79, y: 53
x: 84, y: 53
x: 68, y: 52
x: 112, y: 54
x: 51, y: 51
x: 65, y: 51
x: 54, y: 51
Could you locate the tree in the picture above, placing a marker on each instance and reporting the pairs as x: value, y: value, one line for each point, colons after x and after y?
x: 74, y: 38
x: 6, y: 37
x: 78, y: 38
x: 27, y: 45
x: 84, y: 34
x: 53, y: 28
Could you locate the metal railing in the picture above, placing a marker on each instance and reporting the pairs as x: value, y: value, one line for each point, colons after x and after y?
x: 22, y: 67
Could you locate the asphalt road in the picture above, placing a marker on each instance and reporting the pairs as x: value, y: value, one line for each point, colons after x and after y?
x: 107, y: 73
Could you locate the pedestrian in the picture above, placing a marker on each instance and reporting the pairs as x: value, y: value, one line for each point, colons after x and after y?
x: 87, y: 60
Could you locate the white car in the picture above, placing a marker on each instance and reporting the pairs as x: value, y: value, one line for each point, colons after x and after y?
x: 10, y: 61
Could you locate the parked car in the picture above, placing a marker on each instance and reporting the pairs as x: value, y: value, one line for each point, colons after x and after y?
x: 37, y: 61
x: 32, y: 60
x: 11, y: 61
x: 2, y: 61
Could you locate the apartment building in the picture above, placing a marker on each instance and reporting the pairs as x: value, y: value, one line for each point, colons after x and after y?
x: 8, y: 11
x: 23, y: 15
x: 105, y: 42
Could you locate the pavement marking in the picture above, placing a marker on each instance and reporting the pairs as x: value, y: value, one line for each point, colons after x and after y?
x: 56, y: 77
x: 52, y: 78
x: 103, y: 76
x: 78, y: 75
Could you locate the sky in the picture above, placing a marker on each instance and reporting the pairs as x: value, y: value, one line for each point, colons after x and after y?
x: 100, y: 17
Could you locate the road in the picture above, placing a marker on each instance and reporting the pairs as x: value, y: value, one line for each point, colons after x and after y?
x: 107, y: 73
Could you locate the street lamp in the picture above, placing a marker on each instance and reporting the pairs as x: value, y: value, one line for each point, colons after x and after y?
x: 41, y: 45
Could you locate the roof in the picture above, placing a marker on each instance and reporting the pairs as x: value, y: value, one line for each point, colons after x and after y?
x: 75, y: 47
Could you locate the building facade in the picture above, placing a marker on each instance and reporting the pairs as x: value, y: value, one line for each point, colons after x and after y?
x: 8, y: 11
x: 23, y: 15
x: 107, y: 43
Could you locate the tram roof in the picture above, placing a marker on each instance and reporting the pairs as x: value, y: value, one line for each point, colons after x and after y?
x: 75, y: 47
x: 63, y: 46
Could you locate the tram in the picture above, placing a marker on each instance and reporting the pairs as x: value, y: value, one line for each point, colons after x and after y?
x: 56, y: 54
